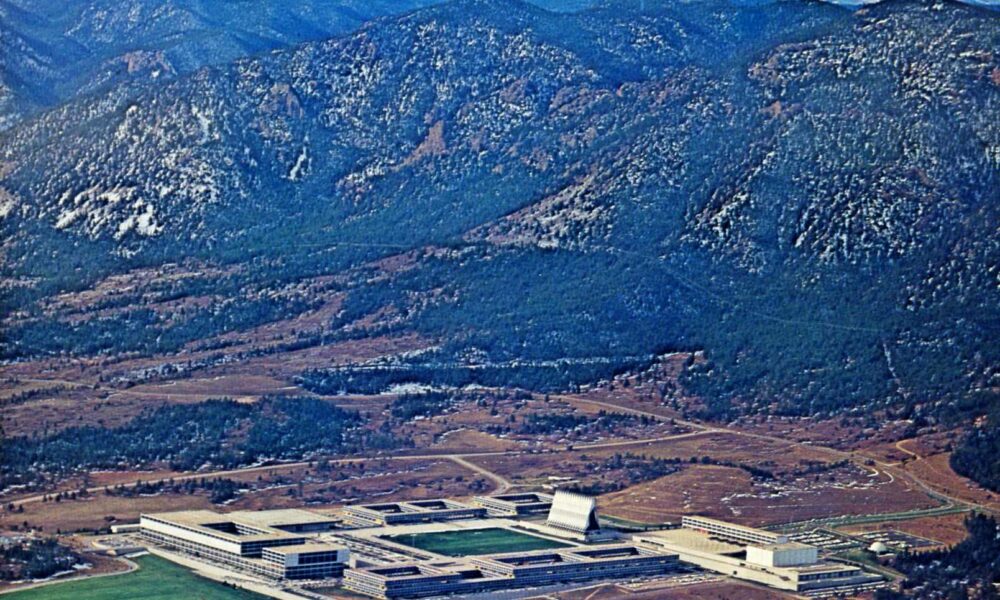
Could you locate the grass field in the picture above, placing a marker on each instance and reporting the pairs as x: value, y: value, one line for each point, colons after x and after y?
x: 493, y: 540
x: 156, y: 579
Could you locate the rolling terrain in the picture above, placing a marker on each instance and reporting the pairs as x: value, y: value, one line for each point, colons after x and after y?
x: 735, y: 259
x: 727, y: 258
x: 806, y: 193
x: 54, y: 51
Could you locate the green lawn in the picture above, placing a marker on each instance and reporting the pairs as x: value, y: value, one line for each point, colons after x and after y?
x: 156, y: 579
x: 493, y: 540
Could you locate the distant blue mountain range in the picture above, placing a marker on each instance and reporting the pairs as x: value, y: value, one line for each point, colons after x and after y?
x: 53, y: 50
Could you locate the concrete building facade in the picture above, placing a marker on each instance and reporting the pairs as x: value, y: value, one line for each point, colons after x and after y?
x: 256, y: 542
x: 785, y: 566
x: 414, y: 511
x: 732, y: 531
x: 515, y: 505
x: 506, y: 571
x: 790, y: 554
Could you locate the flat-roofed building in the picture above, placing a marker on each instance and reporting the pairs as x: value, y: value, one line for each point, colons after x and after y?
x: 785, y: 566
x: 509, y: 571
x: 308, y: 561
x: 789, y: 554
x: 544, y: 567
x: 261, y: 542
x: 421, y: 579
x: 414, y: 511
x: 292, y: 520
x: 732, y: 531
x: 515, y: 505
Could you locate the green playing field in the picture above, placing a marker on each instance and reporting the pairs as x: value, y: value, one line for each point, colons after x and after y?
x: 156, y: 579
x: 494, y: 540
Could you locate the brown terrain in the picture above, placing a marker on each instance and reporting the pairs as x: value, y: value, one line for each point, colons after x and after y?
x: 759, y: 471
x: 948, y: 529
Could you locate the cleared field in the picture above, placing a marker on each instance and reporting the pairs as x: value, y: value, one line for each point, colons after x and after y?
x: 391, y: 480
x: 156, y: 579
x: 494, y: 540
x: 732, y: 494
x: 947, y: 529
x: 936, y: 472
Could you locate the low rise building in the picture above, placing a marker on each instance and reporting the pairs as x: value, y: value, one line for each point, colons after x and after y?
x: 414, y: 511
x: 271, y: 544
x: 786, y: 565
x: 789, y: 554
x: 506, y: 571
x: 515, y: 505
x: 733, y: 531
x: 420, y: 579
x: 308, y: 561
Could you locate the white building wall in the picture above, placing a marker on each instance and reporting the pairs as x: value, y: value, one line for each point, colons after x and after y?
x: 782, y: 557
x: 189, y: 535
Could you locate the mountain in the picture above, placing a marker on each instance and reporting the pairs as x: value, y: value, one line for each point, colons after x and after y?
x: 807, y: 194
x: 56, y: 50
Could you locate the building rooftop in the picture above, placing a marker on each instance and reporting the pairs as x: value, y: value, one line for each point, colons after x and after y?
x: 523, y: 498
x: 563, y: 555
x: 695, y: 540
x: 410, y: 506
x: 784, y: 546
x: 821, y: 567
x: 406, y: 570
x: 244, y: 525
x: 281, y: 517
x: 304, y: 548
x: 727, y: 524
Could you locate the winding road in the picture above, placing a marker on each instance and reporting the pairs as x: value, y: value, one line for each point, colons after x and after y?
x: 949, y: 503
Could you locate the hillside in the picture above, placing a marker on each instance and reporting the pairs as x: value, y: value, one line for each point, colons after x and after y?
x: 56, y: 50
x: 807, y: 194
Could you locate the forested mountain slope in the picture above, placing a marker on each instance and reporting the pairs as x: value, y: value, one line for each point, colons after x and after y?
x: 54, y: 50
x: 808, y: 194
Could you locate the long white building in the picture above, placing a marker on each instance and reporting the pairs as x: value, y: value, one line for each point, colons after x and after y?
x: 515, y: 505
x: 733, y: 531
x: 413, y: 511
x: 272, y: 544
x: 754, y: 555
x: 508, y: 571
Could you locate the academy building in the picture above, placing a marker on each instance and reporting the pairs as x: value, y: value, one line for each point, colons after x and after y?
x: 756, y: 555
x: 401, y: 549
x: 508, y: 571
x: 515, y: 505
x: 271, y: 544
x: 414, y: 511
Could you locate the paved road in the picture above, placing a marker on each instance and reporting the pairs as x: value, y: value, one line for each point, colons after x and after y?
x: 502, y: 484
x: 635, y: 411
x: 834, y: 522
x: 459, y: 458
x: 246, y: 470
x: 641, y: 442
x: 891, y: 469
